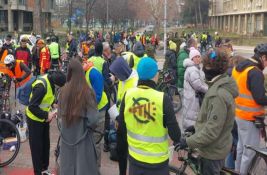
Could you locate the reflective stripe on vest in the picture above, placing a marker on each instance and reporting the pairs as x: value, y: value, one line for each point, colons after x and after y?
x: 246, y: 107
x: 54, y: 50
x: 98, y: 62
x: 147, y: 138
x: 47, y: 100
x: 104, y: 99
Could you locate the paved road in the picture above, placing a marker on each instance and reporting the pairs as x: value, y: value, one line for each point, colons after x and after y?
x: 23, y: 165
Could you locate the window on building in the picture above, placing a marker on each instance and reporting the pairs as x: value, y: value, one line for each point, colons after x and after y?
x: 22, y: 2
x: 5, y: 2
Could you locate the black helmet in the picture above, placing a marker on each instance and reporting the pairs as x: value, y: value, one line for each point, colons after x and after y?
x: 261, y: 49
x: 53, y: 39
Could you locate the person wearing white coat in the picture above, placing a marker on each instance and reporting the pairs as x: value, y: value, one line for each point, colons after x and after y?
x: 194, y: 83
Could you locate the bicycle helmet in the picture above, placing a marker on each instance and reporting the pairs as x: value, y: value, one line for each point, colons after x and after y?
x: 9, y: 59
x: 261, y: 49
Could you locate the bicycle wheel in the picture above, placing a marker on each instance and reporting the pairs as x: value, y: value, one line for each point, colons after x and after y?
x: 9, y: 142
x: 175, y: 171
x: 175, y: 97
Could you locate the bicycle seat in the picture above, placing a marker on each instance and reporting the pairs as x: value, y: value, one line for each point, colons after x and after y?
x: 262, y: 151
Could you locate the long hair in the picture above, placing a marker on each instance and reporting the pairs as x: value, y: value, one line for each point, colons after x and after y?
x: 76, y: 96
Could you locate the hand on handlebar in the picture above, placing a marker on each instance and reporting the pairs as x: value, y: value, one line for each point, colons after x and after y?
x: 181, y: 145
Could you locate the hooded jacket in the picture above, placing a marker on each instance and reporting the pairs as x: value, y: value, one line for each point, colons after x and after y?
x: 193, y: 83
x: 182, y: 55
x: 255, y: 82
x: 215, y: 120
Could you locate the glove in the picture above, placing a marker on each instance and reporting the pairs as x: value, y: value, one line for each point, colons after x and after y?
x: 181, y: 145
x: 190, y: 129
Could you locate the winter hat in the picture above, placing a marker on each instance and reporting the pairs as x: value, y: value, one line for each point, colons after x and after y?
x: 138, y: 49
x: 147, y: 68
x: 120, y: 69
x: 172, y: 46
x: 193, y: 53
x: 57, y: 78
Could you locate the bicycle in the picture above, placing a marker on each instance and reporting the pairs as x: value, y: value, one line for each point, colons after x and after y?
x: 172, y: 91
x: 258, y: 165
x: 9, y: 134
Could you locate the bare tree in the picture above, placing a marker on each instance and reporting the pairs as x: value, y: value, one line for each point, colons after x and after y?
x: 156, y: 10
x: 89, y: 4
x: 37, y: 17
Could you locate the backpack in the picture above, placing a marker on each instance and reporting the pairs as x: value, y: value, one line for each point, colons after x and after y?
x: 24, y: 92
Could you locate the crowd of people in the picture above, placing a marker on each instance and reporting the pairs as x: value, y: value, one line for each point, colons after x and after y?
x: 221, y: 95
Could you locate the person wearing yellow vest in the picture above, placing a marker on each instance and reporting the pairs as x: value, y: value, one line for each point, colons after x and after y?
x: 18, y: 71
x: 96, y: 82
x: 250, y: 102
x: 133, y: 58
x: 39, y: 116
x: 145, y: 120
x: 128, y: 78
x: 54, y: 49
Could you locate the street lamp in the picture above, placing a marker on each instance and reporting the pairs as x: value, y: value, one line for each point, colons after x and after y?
x: 70, y: 14
x: 165, y: 26
x: 107, y: 13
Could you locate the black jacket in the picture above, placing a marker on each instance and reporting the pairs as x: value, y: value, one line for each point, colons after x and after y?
x: 169, y: 121
x: 255, y: 82
x: 38, y: 93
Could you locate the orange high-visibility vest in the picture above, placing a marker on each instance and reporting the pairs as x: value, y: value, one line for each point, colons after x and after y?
x: 246, y: 107
x: 3, y: 68
x: 19, y: 73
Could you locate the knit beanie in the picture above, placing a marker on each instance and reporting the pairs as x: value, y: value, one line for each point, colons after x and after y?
x: 138, y: 49
x: 120, y: 69
x: 147, y: 68
x: 193, y: 53
x: 57, y: 78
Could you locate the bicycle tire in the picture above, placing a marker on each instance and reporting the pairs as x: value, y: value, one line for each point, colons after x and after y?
x: 3, y: 164
x: 176, y: 171
x: 175, y: 97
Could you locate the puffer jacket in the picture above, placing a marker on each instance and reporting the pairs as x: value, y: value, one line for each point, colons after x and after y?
x: 215, y: 120
x: 170, y: 63
x: 193, y: 82
x: 182, y: 55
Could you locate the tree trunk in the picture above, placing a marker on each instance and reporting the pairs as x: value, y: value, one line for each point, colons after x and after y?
x: 87, y: 16
x: 196, y: 12
x: 37, y: 17
x: 200, y: 13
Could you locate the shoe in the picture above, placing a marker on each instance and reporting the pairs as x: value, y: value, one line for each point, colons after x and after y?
x: 106, y: 148
x: 47, y: 172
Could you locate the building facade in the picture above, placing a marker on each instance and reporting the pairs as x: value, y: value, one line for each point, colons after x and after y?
x: 246, y: 17
x: 18, y: 14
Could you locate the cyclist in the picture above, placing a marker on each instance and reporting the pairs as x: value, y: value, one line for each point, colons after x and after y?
x: 170, y: 60
x: 250, y: 102
x: 216, y: 117
x: 194, y: 88
x: 3, y: 53
x: 23, y: 53
x: 54, y: 52
x: 18, y: 71
x: 44, y: 59
x: 182, y: 55
x: 128, y: 78
x: 8, y: 44
x: 72, y: 46
x: 146, y: 118
x: 95, y: 80
x: 39, y: 117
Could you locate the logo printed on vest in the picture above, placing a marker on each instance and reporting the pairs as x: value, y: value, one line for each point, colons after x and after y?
x: 142, y: 112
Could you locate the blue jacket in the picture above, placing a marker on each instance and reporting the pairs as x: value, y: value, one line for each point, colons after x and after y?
x: 97, y: 83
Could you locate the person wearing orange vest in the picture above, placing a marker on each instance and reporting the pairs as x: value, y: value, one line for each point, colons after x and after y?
x: 3, y: 53
x: 18, y: 71
x: 250, y: 102
x: 44, y: 61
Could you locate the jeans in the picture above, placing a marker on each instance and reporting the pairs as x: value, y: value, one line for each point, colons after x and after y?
x: 248, y: 134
